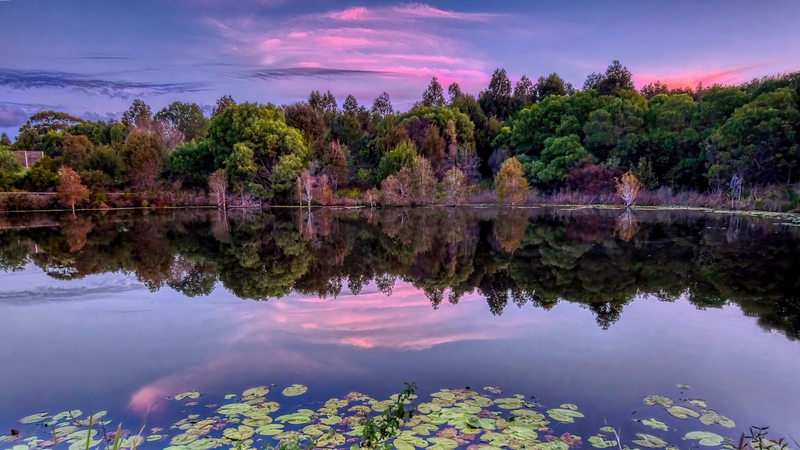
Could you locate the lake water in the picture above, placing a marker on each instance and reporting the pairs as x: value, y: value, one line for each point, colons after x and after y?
x: 594, y: 309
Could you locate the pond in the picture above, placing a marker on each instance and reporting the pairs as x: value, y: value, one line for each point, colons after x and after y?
x: 532, y: 328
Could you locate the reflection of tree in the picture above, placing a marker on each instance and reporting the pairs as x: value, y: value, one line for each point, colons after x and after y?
x: 537, y: 257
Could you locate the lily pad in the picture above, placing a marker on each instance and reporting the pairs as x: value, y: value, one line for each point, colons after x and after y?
x: 607, y: 429
x: 442, y: 444
x: 193, y: 394
x: 74, y: 414
x: 649, y: 441
x: 258, y: 391
x: 707, y: 439
x: 683, y: 387
x: 682, y: 412
x: 710, y: 417
x: 655, y: 424
x: 657, y: 400
x: 599, y: 442
x: 270, y: 430
x: 295, y: 390
x: 33, y: 418
x: 564, y: 415
x: 234, y: 409
x: 183, y: 439
x: 569, y: 406
x: 239, y: 434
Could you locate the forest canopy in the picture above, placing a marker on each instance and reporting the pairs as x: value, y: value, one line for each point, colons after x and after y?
x: 687, y: 139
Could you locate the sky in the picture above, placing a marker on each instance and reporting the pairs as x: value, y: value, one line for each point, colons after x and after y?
x: 92, y: 58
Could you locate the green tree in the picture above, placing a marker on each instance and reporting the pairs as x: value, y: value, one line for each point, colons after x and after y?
x: 382, y: 105
x: 284, y: 175
x: 144, y: 156
x: 759, y: 141
x: 433, y: 95
x: 560, y: 156
x: 616, y: 79
x: 75, y: 151
x: 138, y: 115
x: 4, y: 140
x: 222, y: 104
x: 188, y: 118
x: 42, y: 176
x: 44, y: 122
x: 191, y: 162
x: 496, y: 100
x: 552, y: 85
x: 391, y: 163
x: 10, y: 169
x: 241, y: 167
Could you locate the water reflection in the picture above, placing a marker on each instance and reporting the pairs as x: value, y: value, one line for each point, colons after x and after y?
x: 599, y: 258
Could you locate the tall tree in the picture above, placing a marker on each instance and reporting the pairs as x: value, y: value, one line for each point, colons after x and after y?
x: 138, y: 115
x: 552, y: 85
x: 496, y: 100
x: 188, y: 118
x: 44, y: 122
x: 144, y: 157
x: 433, y: 95
x: 617, y: 78
x: 4, y: 140
x: 524, y: 92
x: 222, y: 104
x: 382, y: 105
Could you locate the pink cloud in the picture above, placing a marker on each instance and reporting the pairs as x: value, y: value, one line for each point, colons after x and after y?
x: 423, y: 11
x: 350, y: 14
x: 691, y: 78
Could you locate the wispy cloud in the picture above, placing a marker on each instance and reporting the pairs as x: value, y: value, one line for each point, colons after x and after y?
x: 26, y: 80
x: 410, y: 41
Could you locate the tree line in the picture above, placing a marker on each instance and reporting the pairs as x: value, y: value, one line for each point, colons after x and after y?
x: 547, y: 135
x: 511, y: 257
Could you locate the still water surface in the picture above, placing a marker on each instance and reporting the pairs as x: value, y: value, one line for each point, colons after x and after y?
x: 594, y: 308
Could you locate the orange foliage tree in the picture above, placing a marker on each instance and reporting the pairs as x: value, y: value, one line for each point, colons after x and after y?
x: 70, y: 190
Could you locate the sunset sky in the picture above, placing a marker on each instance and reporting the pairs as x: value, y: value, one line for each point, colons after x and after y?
x: 93, y: 58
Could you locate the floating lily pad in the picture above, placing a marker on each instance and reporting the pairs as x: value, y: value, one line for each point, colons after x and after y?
x: 599, y: 442
x: 682, y: 412
x: 697, y: 403
x: 683, y: 387
x: 564, y: 415
x: 258, y: 391
x: 508, y: 403
x: 442, y: 444
x: 710, y: 417
x: 493, y: 390
x: 154, y: 437
x: 270, y: 430
x: 569, y: 406
x: 657, y: 400
x: 206, y: 443
x: 239, y: 434
x: 295, y: 390
x: 707, y: 439
x: 74, y: 414
x: 79, y: 445
x: 607, y: 429
x: 234, y: 409
x: 193, y: 394
x: 649, y: 441
x: 33, y: 418
x: 655, y: 424
x: 183, y: 439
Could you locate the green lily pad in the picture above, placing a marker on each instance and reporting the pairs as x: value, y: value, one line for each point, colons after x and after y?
x: 607, y: 429
x: 683, y: 387
x: 697, y: 403
x: 331, y: 440
x: 706, y: 439
x: 599, y: 442
x: 442, y: 444
x: 710, y: 417
x: 258, y: 422
x: 564, y: 415
x: 682, y: 412
x: 258, y: 391
x: 183, y: 439
x: 234, y: 409
x: 80, y: 445
x: 297, y: 418
x: 193, y: 394
x: 649, y: 441
x: 33, y: 418
x: 81, y: 435
x: 154, y: 437
x: 295, y: 390
x: 657, y: 400
x: 206, y: 443
x: 239, y: 434
x: 508, y: 403
x: 270, y: 430
x: 74, y: 414
x: 424, y: 429
x: 427, y: 408
x: 569, y: 406
x: 655, y: 424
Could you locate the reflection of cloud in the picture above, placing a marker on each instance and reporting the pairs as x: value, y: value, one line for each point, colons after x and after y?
x: 25, y: 80
x: 52, y: 294
x: 403, y: 322
x: 311, y: 72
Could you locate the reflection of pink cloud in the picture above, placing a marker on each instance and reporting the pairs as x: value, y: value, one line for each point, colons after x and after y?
x: 692, y: 77
x: 350, y: 14
x: 405, y: 321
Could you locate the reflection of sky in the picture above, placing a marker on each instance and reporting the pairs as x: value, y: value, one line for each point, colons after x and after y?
x: 93, y: 58
x: 126, y: 351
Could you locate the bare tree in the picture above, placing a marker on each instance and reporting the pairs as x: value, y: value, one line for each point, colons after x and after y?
x: 306, y: 185
x: 454, y: 187
x: 628, y: 188
x: 217, y: 188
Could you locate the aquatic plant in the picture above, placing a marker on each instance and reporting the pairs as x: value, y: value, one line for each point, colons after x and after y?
x: 449, y: 419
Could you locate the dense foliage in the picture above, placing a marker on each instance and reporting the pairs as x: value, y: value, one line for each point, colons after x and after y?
x: 695, y: 139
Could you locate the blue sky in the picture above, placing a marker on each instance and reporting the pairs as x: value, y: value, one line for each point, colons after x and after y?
x: 92, y: 58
